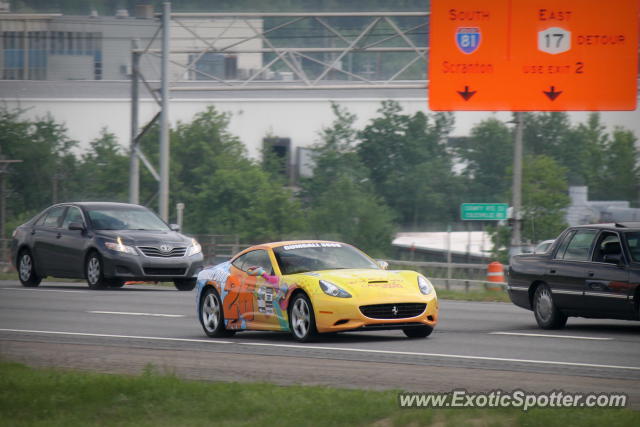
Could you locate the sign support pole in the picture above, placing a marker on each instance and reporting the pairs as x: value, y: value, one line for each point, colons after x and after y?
x: 164, y: 117
x: 516, y: 239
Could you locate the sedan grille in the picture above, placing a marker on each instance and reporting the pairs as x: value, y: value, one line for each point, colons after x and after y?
x: 393, y: 311
x: 157, y: 252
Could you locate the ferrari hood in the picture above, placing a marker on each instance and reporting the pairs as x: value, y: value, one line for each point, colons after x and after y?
x: 372, y: 282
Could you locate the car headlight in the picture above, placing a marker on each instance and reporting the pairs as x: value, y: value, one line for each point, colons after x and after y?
x: 118, y: 246
x: 333, y: 290
x: 194, y: 249
x: 425, y: 285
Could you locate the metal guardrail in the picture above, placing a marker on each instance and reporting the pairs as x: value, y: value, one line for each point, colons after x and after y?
x: 447, y: 271
x: 457, y: 276
x: 219, y: 247
x: 467, y: 285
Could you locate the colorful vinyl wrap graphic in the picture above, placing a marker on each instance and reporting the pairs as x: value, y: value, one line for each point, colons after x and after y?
x: 249, y: 302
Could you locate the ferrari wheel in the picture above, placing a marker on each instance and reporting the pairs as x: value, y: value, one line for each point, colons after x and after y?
x: 545, y: 311
x: 418, y: 331
x: 302, y: 321
x: 212, y: 315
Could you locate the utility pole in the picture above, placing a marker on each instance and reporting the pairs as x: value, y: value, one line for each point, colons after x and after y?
x: 164, y: 118
x: 516, y: 238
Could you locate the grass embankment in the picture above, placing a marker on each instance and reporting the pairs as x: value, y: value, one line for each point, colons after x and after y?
x: 49, y: 397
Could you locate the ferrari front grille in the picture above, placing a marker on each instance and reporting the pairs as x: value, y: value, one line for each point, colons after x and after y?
x: 393, y: 311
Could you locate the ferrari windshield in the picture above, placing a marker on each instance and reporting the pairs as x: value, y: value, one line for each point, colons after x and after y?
x: 303, y: 257
x: 125, y: 218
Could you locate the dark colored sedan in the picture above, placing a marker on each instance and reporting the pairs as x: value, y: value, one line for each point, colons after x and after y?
x: 589, y: 271
x: 105, y: 243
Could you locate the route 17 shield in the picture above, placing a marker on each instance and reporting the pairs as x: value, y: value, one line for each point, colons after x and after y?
x: 468, y: 39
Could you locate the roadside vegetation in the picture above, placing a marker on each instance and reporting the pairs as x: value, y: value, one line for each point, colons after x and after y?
x: 49, y: 397
x: 397, y: 172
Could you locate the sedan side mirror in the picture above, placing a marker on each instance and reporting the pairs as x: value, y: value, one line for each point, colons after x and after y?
x: 174, y: 227
x: 76, y: 226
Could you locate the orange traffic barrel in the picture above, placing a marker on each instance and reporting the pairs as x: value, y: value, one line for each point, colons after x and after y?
x: 495, y: 274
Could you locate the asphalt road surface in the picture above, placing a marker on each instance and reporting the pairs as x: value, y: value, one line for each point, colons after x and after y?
x: 476, y: 346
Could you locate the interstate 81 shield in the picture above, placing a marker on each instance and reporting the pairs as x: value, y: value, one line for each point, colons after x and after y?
x: 468, y: 39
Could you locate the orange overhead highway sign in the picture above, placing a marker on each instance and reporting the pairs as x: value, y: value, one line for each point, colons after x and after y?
x: 533, y: 55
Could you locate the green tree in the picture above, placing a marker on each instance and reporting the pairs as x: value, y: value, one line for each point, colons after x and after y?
x: 544, y: 198
x: 240, y: 198
x: 340, y: 199
x: 48, y: 168
x: 103, y: 170
x: 487, y: 155
x: 590, y: 141
x: 546, y: 133
x: 224, y: 192
x: 621, y: 172
x: 409, y: 164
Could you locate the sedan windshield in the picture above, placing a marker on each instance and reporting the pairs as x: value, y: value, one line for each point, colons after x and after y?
x: 111, y: 218
x: 303, y: 257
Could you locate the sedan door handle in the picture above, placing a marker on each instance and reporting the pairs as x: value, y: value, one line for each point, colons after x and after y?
x: 33, y: 232
x: 591, y: 274
x: 58, y: 235
x: 552, y: 272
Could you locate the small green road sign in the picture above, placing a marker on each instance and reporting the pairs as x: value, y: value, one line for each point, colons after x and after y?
x: 483, y: 211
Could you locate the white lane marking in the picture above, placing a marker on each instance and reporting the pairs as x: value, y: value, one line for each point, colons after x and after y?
x: 358, y: 350
x: 136, y: 314
x: 44, y: 290
x: 84, y: 334
x: 573, y: 337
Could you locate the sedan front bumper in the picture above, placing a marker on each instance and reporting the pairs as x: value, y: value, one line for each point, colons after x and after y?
x: 140, y: 267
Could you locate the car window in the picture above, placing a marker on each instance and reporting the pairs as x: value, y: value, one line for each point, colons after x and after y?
x: 563, y: 246
x: 543, y: 247
x: 73, y: 215
x: 579, y: 247
x: 53, y: 217
x: 633, y: 243
x: 257, y: 258
x: 125, y: 218
x: 608, y: 244
x: 303, y: 257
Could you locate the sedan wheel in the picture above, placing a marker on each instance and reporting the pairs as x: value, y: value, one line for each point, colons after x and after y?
x: 212, y: 315
x: 26, y: 270
x: 94, y: 273
x: 545, y: 311
x: 302, y: 322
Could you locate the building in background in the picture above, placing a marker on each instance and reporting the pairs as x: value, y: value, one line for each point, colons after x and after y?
x: 463, y: 246
x: 585, y: 211
x: 59, y: 47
